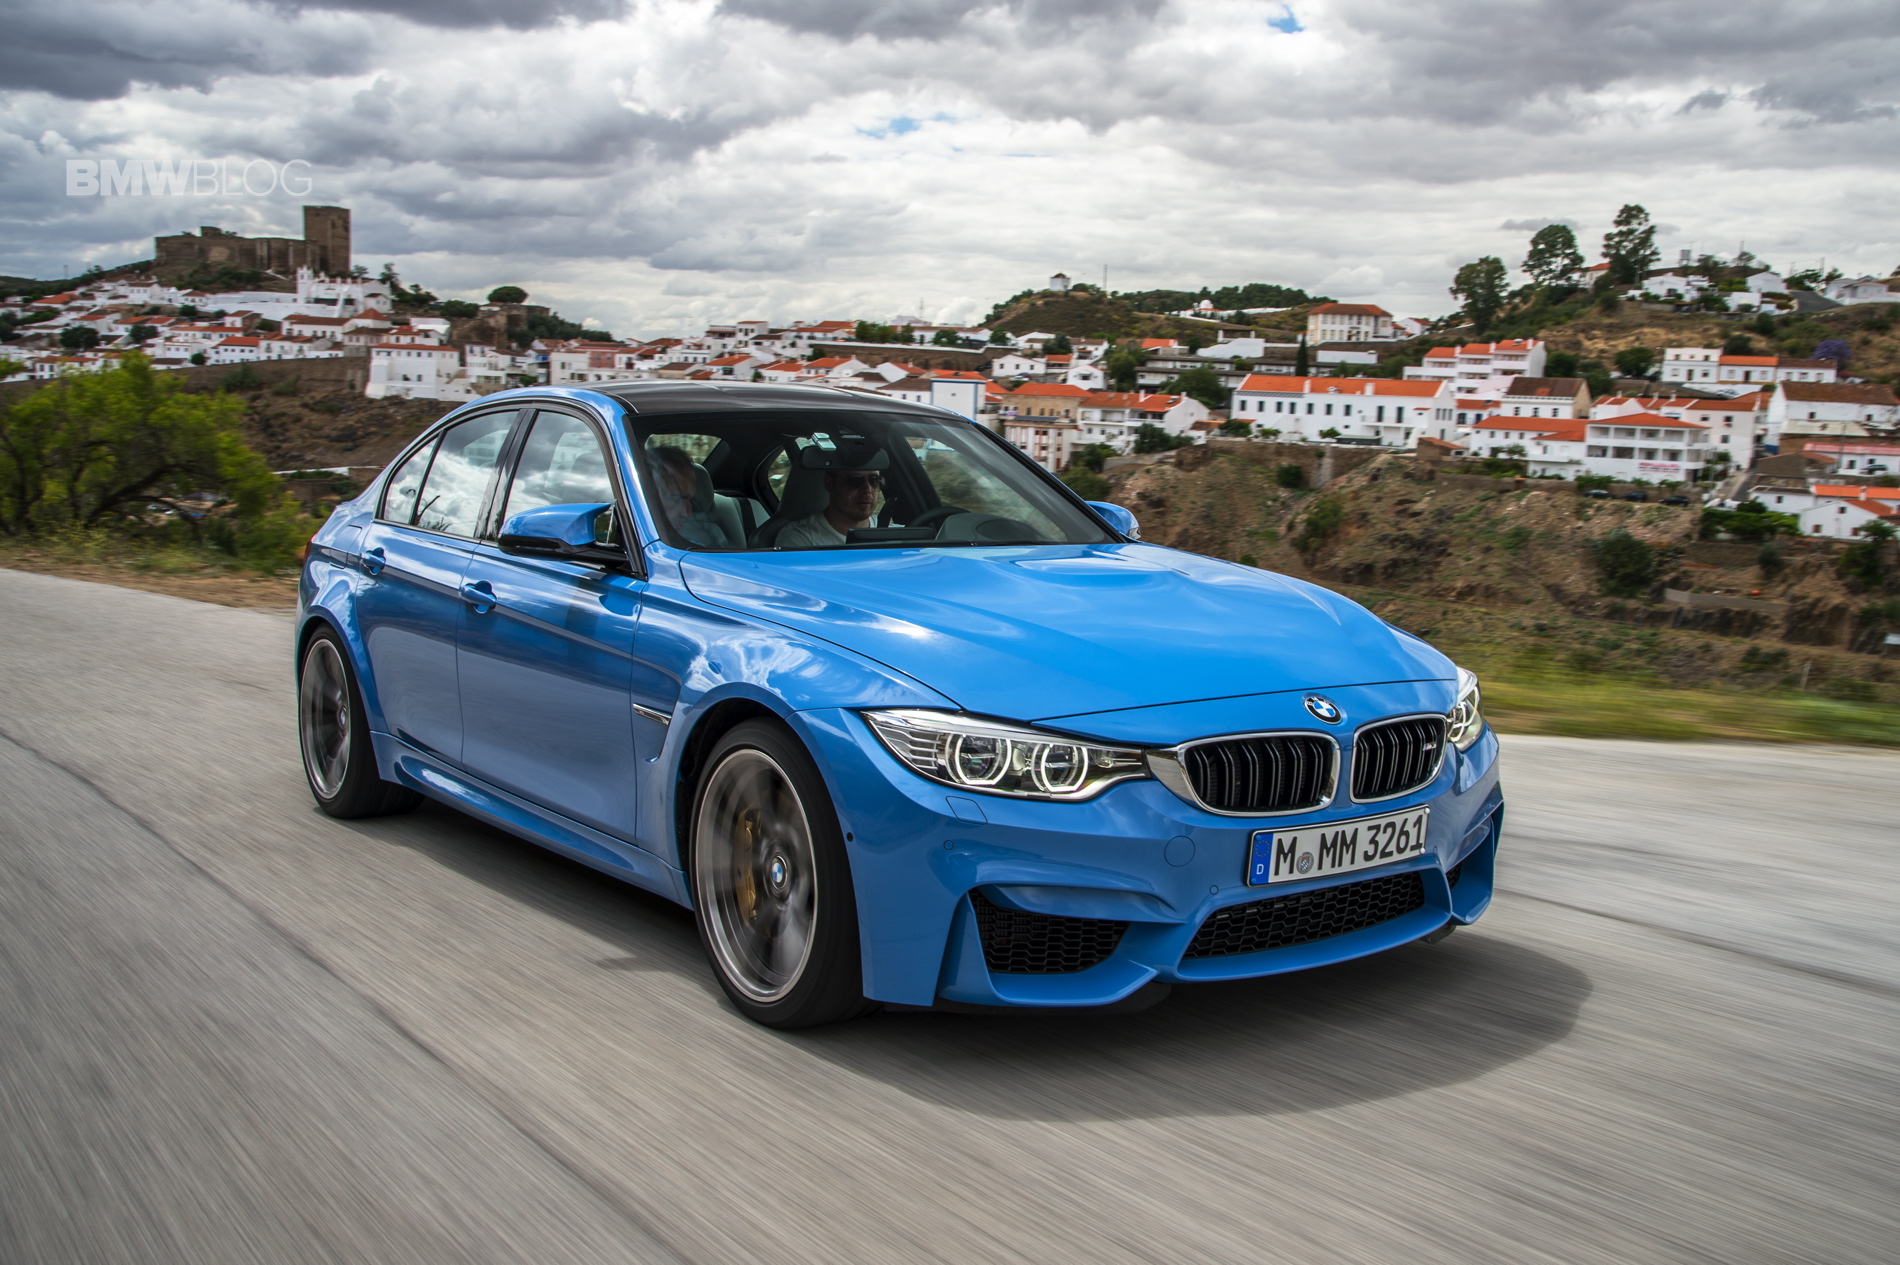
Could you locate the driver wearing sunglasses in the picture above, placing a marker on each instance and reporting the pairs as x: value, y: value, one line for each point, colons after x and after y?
x: 854, y: 497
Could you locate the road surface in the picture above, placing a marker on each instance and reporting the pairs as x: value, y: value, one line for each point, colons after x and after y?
x: 234, y: 1030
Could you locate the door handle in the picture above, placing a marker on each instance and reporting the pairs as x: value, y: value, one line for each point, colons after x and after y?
x: 480, y: 596
x: 372, y: 561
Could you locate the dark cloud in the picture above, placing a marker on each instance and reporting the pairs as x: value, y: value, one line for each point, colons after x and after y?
x: 96, y: 50
x: 929, y: 19
x: 1707, y: 99
x: 93, y: 51
x: 1486, y: 61
x: 518, y: 15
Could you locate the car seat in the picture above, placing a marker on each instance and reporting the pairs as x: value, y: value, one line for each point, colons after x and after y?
x: 804, y: 496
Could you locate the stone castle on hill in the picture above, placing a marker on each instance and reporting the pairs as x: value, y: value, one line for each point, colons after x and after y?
x: 324, y: 248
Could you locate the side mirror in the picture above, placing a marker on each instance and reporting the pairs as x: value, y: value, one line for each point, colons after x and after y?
x: 1118, y: 518
x: 566, y: 533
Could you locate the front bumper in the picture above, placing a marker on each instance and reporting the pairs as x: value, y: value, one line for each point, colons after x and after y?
x: 927, y: 861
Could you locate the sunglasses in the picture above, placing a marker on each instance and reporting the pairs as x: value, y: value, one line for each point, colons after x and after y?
x: 862, y: 480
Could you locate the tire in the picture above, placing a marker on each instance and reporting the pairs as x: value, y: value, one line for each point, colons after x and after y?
x: 771, y: 882
x: 333, y: 735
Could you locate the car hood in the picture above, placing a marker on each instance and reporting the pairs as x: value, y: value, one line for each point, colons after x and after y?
x: 1036, y: 633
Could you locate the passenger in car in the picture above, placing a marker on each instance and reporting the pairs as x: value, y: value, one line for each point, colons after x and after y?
x: 687, y: 503
x: 854, y: 495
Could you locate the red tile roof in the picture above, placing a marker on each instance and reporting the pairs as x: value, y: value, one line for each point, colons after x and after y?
x: 1651, y: 420
x: 1049, y: 388
x: 1288, y: 384
x: 1350, y: 309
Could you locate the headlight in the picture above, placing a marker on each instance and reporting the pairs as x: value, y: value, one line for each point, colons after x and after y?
x: 1000, y: 759
x: 1465, y: 721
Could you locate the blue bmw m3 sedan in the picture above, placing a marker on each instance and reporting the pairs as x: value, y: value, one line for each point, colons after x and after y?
x: 892, y: 710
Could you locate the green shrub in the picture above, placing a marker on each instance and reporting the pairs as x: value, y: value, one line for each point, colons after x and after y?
x: 289, y: 386
x: 1085, y: 483
x: 1626, y: 565
x: 1289, y: 475
x: 1325, y: 517
x: 242, y: 378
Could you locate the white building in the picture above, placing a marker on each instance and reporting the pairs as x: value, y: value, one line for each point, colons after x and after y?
x: 1482, y: 370
x: 411, y: 370
x: 1863, y: 290
x: 1740, y: 375
x: 1387, y: 411
x: 1858, y: 458
x: 1645, y: 446
x: 1348, y: 323
x: 1545, y: 397
x: 1840, y: 510
x: 1860, y: 403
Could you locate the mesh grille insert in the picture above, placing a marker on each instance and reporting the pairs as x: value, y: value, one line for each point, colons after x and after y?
x: 1273, y: 774
x: 1394, y: 758
x: 1017, y: 943
x: 1281, y: 922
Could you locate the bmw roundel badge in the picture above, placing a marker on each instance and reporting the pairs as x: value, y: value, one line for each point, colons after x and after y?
x: 1324, y: 708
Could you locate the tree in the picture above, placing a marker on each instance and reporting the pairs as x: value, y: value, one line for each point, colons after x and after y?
x: 460, y: 309
x: 1203, y: 384
x: 1302, y: 359
x: 1120, y: 366
x: 1152, y: 438
x: 1236, y: 428
x: 1626, y: 564
x: 1835, y: 349
x: 1331, y: 432
x: 1553, y: 257
x: 1561, y: 364
x: 142, y: 333
x: 999, y: 337
x: 198, y: 358
x: 1059, y: 346
x: 1738, y: 345
x: 507, y: 294
x: 1635, y: 362
x: 1480, y: 286
x: 96, y: 449
x: 79, y: 338
x: 1630, y: 246
x: 946, y: 338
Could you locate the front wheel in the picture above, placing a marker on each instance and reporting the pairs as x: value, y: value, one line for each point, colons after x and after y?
x: 772, y: 887
x: 333, y: 732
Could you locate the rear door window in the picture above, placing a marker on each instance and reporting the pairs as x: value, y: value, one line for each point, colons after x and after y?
x: 457, y: 484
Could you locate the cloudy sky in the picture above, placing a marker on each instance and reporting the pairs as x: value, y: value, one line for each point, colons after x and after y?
x: 652, y: 164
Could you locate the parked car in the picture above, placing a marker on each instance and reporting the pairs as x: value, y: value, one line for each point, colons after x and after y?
x: 890, y: 708
x: 1596, y: 494
x: 1636, y: 496
x: 1674, y: 500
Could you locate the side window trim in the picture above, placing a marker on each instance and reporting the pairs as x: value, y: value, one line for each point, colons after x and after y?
x: 429, y: 441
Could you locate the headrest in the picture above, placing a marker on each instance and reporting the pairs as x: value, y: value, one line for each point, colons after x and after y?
x: 702, y: 489
x: 852, y: 453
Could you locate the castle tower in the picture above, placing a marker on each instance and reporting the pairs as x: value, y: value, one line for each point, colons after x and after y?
x: 327, y: 230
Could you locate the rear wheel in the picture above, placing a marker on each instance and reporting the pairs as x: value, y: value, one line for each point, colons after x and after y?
x: 333, y: 731
x: 771, y: 883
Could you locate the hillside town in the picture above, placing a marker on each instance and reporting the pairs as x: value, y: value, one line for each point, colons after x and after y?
x: 1714, y: 423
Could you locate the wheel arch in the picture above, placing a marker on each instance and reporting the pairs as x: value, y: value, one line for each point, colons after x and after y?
x: 716, y: 722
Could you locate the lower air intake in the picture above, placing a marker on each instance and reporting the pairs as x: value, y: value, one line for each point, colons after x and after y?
x: 1017, y: 943
x: 1282, y: 922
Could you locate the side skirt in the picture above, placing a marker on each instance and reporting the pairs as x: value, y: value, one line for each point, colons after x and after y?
x: 400, y: 762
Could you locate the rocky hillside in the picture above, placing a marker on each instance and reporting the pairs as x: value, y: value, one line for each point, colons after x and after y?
x: 1511, y: 576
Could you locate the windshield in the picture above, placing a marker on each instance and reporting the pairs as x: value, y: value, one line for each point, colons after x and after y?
x: 816, y: 479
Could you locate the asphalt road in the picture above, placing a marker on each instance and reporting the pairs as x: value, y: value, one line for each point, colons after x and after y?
x: 234, y: 1030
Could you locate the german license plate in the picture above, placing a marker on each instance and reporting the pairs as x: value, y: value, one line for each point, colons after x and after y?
x: 1335, y: 847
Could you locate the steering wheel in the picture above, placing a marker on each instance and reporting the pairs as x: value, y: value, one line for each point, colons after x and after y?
x: 936, y: 517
